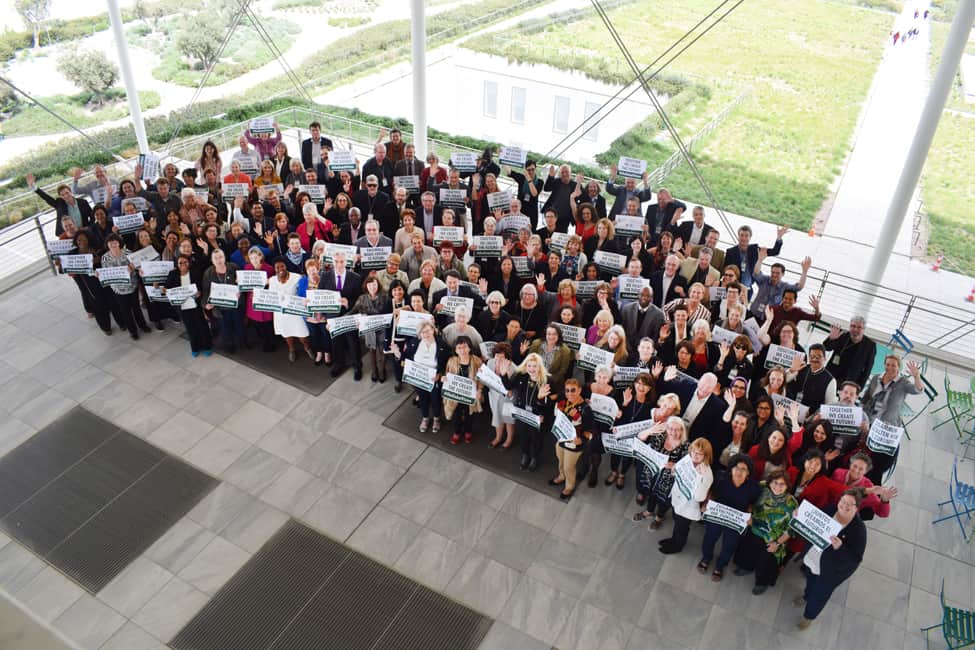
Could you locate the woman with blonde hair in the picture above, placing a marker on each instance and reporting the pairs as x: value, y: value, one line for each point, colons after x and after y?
x: 688, y: 497
x: 615, y: 341
x: 267, y: 175
x: 603, y: 240
x: 601, y: 323
x: 529, y: 390
x: 668, y: 435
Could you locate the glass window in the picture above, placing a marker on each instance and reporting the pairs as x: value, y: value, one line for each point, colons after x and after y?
x: 560, y: 121
x: 518, y: 96
x: 592, y: 109
x: 490, y: 99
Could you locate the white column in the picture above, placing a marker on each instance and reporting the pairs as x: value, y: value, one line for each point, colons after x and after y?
x: 419, y: 25
x: 961, y: 26
x: 115, y: 17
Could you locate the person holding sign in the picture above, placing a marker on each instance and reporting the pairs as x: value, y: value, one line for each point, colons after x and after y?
x: 771, y: 454
x: 94, y: 296
x: 628, y: 190
x: 190, y: 311
x: 568, y: 452
x: 556, y: 356
x: 762, y: 549
x: 666, y: 435
x: 692, y: 482
x: 529, y: 389
x: 125, y: 300
x: 374, y: 301
x: 501, y: 403
x: 236, y: 175
x: 466, y: 365
x: 883, y: 399
x: 605, y: 240
x: 316, y: 321
x: 261, y: 320
x: 265, y: 141
x: 231, y: 318
x: 430, y: 351
x: 738, y: 491
x: 349, y: 285
x: 826, y: 569
x: 290, y: 327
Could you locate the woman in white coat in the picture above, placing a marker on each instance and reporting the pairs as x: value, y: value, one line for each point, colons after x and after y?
x: 289, y: 326
x: 692, y: 482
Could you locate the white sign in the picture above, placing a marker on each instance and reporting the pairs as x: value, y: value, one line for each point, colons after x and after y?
x: 138, y: 258
x: 150, y: 166
x: 814, y: 524
x: 451, y: 303
x: 624, y: 376
x: 591, y: 357
x: 410, y: 183
x: 128, y: 223
x: 558, y: 241
x: 612, y: 445
x: 453, y: 234
x: 267, y: 300
x: 627, y: 227
x: 224, y: 295
x: 250, y: 280
x: 514, y: 156
x: 374, y: 257
x: 179, y: 295
x: 295, y: 306
x: 265, y: 189
x: 499, y: 201
x: 99, y: 194
x: 631, y: 167
x: 612, y: 263
x: 418, y: 375
x: 341, y: 160
x: 652, y: 459
x: 562, y: 427
x: 374, y: 322
x: 720, y: 335
x: 342, y: 325
x: 233, y: 190
x: 718, y: 293
x: 780, y: 356
x: 786, y: 403
x: 328, y: 256
x: 526, y: 417
x: 113, y: 275
x: 463, y: 161
x: 260, y: 125
x: 452, y: 198
x: 845, y: 419
x: 488, y: 246
x: 487, y: 349
x: 884, y: 438
x: 408, y: 323
x: 572, y: 336
x: 202, y: 193
x: 322, y: 301
x: 60, y: 246
x: 604, y: 409
x: 586, y: 289
x: 719, y: 513
x: 631, y: 430
x: 685, y: 477
x: 630, y: 287
x: 491, y: 379
x: 156, y: 294
x: 513, y: 223
x: 460, y: 389
x: 315, y: 192
x: 522, y: 268
x: 80, y: 264
x: 156, y: 271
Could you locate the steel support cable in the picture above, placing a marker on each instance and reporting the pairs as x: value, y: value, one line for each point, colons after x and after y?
x: 63, y: 120
x: 238, y: 17
x: 278, y: 54
x: 596, y: 115
x: 660, y: 111
x: 638, y: 87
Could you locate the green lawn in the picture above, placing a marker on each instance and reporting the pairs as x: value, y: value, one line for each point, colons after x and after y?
x: 31, y: 120
x: 948, y: 188
x: 245, y: 52
x: 808, y: 66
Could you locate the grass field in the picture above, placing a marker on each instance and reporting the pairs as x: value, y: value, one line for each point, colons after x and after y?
x: 31, y: 120
x: 807, y: 64
x: 948, y: 184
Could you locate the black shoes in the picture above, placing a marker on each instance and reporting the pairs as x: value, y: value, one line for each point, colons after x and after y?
x: 525, y: 460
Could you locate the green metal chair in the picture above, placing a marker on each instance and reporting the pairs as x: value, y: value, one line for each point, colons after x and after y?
x: 908, y: 414
x: 960, y: 405
x: 957, y: 625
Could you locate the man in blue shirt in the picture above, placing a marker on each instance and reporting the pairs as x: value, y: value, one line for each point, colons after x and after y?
x: 745, y: 254
x: 768, y: 289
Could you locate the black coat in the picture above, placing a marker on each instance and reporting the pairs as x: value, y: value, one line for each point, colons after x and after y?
x: 443, y: 352
x: 351, y: 287
x: 61, y: 209
x: 306, y: 149
x: 657, y: 284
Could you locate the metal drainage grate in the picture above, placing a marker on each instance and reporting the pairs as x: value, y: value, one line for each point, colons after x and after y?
x: 89, y: 498
x: 304, y: 591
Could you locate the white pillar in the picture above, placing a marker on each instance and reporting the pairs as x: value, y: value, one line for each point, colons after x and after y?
x: 115, y: 17
x: 961, y: 26
x: 419, y: 25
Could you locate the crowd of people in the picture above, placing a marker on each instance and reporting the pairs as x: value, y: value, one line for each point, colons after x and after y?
x: 617, y: 325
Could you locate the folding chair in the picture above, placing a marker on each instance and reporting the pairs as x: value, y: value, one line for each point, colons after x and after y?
x: 957, y: 625
x: 961, y: 496
x: 908, y: 414
x: 898, y: 338
x: 960, y: 406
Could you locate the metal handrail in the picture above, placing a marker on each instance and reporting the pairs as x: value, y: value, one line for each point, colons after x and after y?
x: 927, y: 322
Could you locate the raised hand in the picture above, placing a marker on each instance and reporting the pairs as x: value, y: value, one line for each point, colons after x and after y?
x: 724, y: 348
x: 658, y: 368
x: 806, y: 263
x: 729, y: 397
x: 671, y: 373
x: 914, y: 369
x: 835, y: 332
x: 781, y: 230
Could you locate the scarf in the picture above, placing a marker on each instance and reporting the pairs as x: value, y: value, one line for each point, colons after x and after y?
x: 771, y: 516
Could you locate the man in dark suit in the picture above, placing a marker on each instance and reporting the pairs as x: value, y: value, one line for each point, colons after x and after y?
x: 622, y: 194
x: 371, y: 201
x: 352, y: 229
x: 668, y: 284
x: 346, y: 346
x: 694, y: 233
x: 311, y: 148
x: 410, y: 165
x: 561, y: 187
x: 66, y: 205
x: 391, y: 217
x: 641, y: 318
x: 455, y: 288
x: 663, y: 215
x: 381, y: 167
x: 373, y: 238
x: 700, y: 408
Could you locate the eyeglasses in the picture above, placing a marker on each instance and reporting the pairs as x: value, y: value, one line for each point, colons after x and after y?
x: 729, y: 275
x: 739, y: 346
x: 371, y: 185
